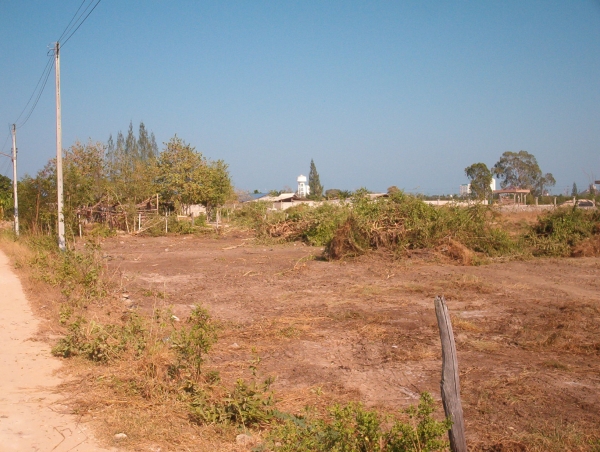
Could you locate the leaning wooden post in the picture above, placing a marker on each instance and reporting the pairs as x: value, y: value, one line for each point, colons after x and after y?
x: 450, y: 383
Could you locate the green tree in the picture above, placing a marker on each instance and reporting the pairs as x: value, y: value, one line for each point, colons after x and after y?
x: 131, y: 143
x: 131, y: 166
x: 481, y: 178
x: 186, y: 177
x: 6, y: 201
x: 393, y: 189
x: 574, y: 192
x: 314, y: 183
x: 521, y: 170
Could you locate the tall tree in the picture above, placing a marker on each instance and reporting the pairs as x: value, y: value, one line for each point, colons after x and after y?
x: 144, y: 144
x: 153, y: 145
x: 314, y: 183
x: 131, y: 144
x: 521, y: 170
x: 481, y: 178
x: 110, y: 149
x: 574, y: 192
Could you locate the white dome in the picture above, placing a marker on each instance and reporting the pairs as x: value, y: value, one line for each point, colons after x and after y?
x: 301, y: 178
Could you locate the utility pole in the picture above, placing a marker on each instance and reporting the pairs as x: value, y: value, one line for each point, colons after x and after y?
x: 59, y: 169
x: 14, y: 162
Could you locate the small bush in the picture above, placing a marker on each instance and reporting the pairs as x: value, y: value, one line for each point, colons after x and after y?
x: 558, y: 232
x: 192, y: 342
x: 247, y: 404
x: 353, y: 428
x: 102, y: 343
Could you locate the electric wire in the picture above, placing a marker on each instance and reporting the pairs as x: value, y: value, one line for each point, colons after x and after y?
x: 5, y: 168
x: 81, y: 23
x: 5, y: 141
x: 48, y: 71
x: 48, y: 63
x: 71, y: 21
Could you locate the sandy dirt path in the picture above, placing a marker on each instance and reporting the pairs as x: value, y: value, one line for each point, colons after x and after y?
x: 32, y: 417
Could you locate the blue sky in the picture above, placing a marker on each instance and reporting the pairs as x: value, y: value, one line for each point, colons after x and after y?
x: 378, y: 93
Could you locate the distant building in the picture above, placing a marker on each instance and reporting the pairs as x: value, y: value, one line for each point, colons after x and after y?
x: 303, y: 188
x: 465, y: 189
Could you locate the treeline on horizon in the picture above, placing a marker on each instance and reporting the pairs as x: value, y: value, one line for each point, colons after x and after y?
x: 118, y: 176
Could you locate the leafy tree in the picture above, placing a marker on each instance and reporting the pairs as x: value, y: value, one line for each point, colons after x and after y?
x: 186, y: 177
x: 393, y: 189
x: 314, y: 183
x: 574, y: 192
x: 131, y: 166
x: 37, y: 200
x: 6, y: 195
x: 218, y: 189
x: 481, y: 178
x: 521, y: 169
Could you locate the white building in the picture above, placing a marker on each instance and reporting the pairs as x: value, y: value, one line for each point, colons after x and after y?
x: 303, y: 188
x: 465, y: 189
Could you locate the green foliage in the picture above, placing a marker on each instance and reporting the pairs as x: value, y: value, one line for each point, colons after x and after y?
x: 6, y: 195
x: 186, y: 177
x: 574, y: 191
x: 251, y: 215
x: 353, y: 428
x: 314, y: 183
x: 557, y: 232
x: 521, y: 170
x: 118, y: 178
x: 402, y: 222
x: 101, y: 343
x: 193, y: 342
x: 247, y: 404
x: 316, y: 225
x: 481, y: 178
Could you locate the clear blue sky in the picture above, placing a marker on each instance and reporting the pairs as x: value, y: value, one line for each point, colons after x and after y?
x: 379, y: 93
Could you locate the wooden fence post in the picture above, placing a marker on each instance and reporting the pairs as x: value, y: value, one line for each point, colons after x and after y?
x: 450, y: 383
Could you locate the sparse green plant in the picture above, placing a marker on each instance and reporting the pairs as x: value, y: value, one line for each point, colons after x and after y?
x: 193, y: 342
x: 353, y: 428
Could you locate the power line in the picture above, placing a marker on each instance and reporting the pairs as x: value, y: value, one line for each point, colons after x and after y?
x: 44, y: 76
x: 5, y: 167
x: 81, y: 23
x: 45, y: 73
x: 69, y: 24
x: 5, y: 141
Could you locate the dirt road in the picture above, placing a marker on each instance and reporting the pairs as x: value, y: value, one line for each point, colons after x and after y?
x: 31, y: 415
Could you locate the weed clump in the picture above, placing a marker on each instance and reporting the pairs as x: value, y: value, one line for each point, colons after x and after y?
x: 402, y: 223
x: 562, y: 233
x: 354, y: 428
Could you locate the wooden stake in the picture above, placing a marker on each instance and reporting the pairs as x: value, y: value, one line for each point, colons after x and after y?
x: 450, y: 383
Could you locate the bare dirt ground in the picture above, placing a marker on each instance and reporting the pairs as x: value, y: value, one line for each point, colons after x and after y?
x: 32, y: 414
x: 527, y: 331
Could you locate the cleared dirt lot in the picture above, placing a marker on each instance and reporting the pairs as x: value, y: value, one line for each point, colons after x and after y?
x: 527, y: 332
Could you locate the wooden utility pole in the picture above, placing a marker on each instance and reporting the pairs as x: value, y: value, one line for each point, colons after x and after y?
x: 59, y: 169
x: 14, y: 162
x: 450, y: 383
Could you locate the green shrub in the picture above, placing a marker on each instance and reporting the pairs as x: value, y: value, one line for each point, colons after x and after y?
x: 102, y: 343
x: 247, y: 404
x: 353, y: 428
x: 557, y: 232
x: 192, y: 342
